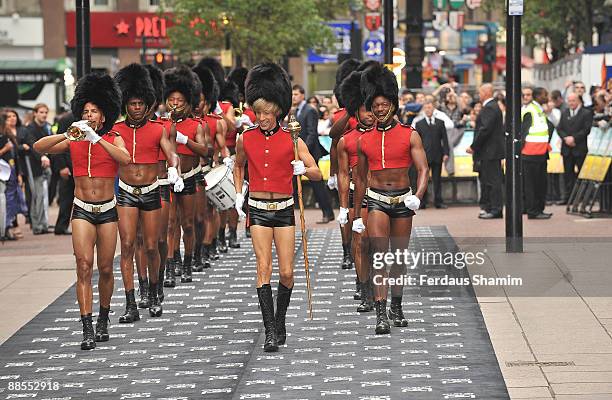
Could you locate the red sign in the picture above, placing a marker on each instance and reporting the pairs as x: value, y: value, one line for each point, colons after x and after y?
x: 122, y: 29
x: 373, y: 21
x: 372, y: 5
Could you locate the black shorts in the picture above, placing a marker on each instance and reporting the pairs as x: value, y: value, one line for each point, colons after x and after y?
x: 199, y: 177
x: 232, y: 150
x: 164, y: 192
x: 271, y: 219
x: 190, y: 187
x: 364, y: 203
x: 392, y: 210
x: 95, y: 218
x: 145, y: 202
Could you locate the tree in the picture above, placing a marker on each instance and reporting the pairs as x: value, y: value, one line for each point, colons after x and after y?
x: 259, y: 30
x: 561, y: 25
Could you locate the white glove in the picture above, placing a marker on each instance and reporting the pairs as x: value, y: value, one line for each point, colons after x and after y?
x: 412, y: 202
x: 358, y: 225
x: 245, y: 120
x: 173, y: 175
x: 90, y: 134
x: 602, y: 124
x: 239, y: 204
x: 228, y: 162
x: 218, y: 109
x: 298, y: 167
x: 343, y: 216
x: 332, y: 182
x: 179, y: 185
x: 180, y: 138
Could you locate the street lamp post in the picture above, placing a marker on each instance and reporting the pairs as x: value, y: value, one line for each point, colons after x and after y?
x: 388, y: 25
x: 83, y: 45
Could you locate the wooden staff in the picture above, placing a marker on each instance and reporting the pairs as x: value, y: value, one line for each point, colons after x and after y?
x: 294, y: 128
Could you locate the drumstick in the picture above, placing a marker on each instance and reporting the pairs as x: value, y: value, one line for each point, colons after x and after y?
x: 294, y: 128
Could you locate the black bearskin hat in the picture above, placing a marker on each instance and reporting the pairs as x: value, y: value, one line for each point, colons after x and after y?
x: 179, y: 79
x: 197, y: 89
x: 350, y: 93
x: 157, y: 78
x: 215, y: 67
x: 346, y: 67
x: 210, y: 88
x: 366, y: 64
x: 230, y: 93
x: 101, y: 90
x: 134, y: 82
x: 270, y: 82
x: 238, y: 76
x: 376, y: 81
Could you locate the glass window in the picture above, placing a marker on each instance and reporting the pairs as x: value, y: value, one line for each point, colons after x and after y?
x: 101, y: 2
x: 154, y: 3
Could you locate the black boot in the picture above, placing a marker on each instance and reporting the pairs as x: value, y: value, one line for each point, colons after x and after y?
x: 160, y: 283
x: 382, y: 323
x: 346, y: 258
x: 221, y: 241
x: 367, y: 303
x: 155, y: 308
x: 282, y: 302
x: 214, y: 251
x: 266, y: 303
x: 143, y: 290
x: 169, y: 281
x: 199, y: 263
x: 395, y: 312
x: 131, y: 310
x: 206, y: 256
x: 357, y: 294
x: 177, y: 263
x: 186, y: 275
x: 88, y: 342
x: 233, y: 239
x: 102, y: 325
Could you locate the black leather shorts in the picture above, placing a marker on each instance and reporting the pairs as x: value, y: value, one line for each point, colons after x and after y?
x: 190, y: 187
x: 199, y: 177
x: 164, y: 192
x: 145, y: 202
x: 364, y: 203
x: 95, y: 218
x: 392, y: 210
x: 271, y: 219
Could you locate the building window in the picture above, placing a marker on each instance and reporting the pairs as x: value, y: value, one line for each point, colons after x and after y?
x: 152, y: 3
x: 102, y: 3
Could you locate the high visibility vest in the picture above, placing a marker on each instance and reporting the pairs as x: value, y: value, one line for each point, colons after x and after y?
x: 536, y: 142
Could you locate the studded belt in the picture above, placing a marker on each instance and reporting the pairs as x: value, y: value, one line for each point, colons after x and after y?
x: 388, y: 199
x: 137, y: 191
x: 96, y: 208
x: 271, y: 205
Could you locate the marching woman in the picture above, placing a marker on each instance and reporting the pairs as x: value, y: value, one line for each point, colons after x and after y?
x: 138, y: 199
x: 269, y: 151
x: 387, y: 152
x: 350, y: 90
x: 180, y: 94
x: 95, y: 160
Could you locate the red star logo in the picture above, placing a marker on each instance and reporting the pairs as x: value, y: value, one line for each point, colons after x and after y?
x: 122, y: 28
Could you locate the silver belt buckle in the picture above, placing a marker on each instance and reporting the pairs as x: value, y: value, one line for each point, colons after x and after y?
x: 271, y: 206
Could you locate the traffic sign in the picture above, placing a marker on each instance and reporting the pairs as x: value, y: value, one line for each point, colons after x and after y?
x: 455, y: 4
x: 473, y: 4
x: 373, y: 48
x: 439, y: 4
x: 372, y: 5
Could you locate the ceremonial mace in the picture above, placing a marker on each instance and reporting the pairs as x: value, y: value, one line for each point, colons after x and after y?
x: 294, y: 128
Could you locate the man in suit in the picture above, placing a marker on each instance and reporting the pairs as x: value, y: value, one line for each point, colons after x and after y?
x: 62, y: 165
x: 308, y: 118
x: 39, y: 166
x: 489, y: 148
x: 435, y: 142
x: 574, y: 127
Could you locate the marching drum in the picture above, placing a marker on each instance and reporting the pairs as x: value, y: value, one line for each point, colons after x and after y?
x: 220, y: 187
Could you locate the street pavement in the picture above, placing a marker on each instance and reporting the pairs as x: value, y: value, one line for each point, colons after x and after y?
x: 554, y: 343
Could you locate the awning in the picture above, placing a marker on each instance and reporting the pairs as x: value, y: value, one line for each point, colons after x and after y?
x: 33, y: 71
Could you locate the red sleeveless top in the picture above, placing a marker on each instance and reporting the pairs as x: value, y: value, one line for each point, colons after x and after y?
x: 142, y: 143
x: 387, y: 147
x: 352, y: 122
x: 92, y: 160
x: 350, y: 144
x: 269, y: 155
x: 188, y: 127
